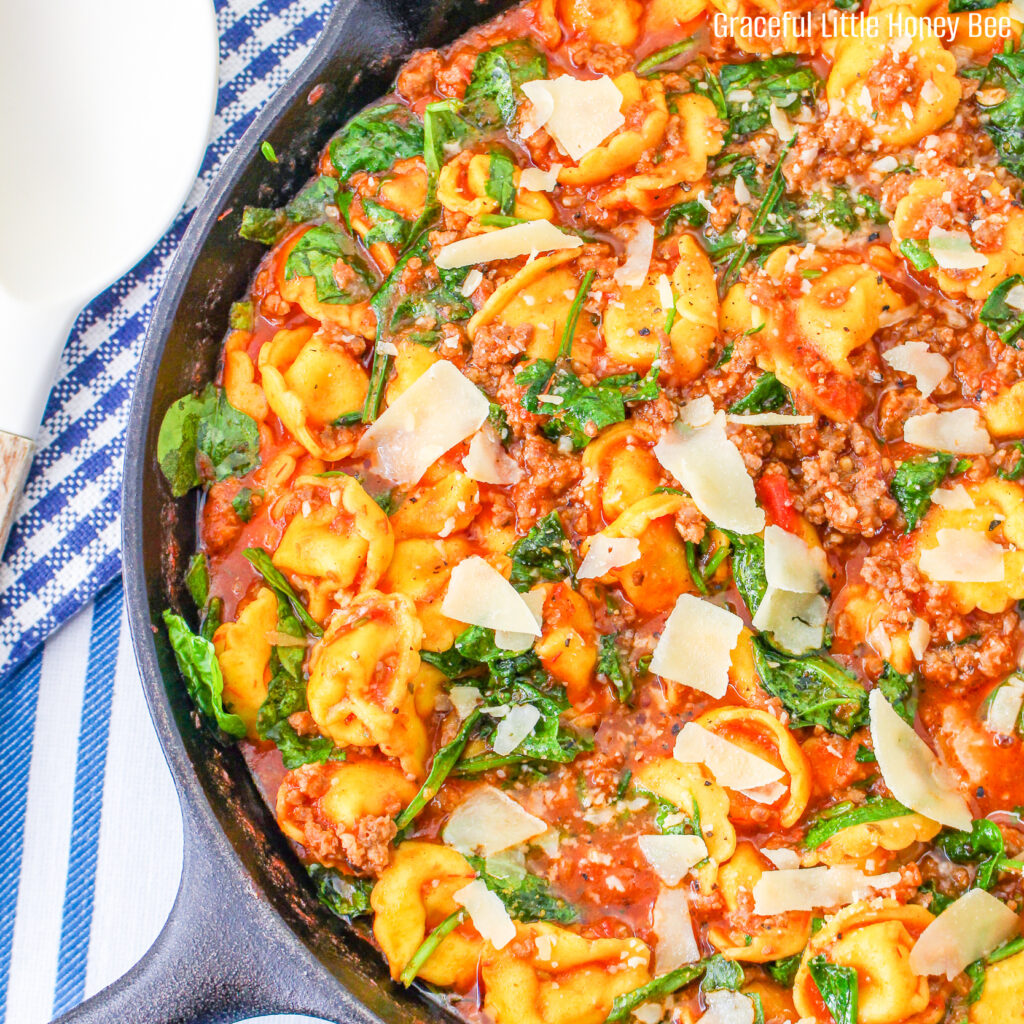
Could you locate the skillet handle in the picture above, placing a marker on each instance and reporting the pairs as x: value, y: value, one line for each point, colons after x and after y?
x: 219, y: 958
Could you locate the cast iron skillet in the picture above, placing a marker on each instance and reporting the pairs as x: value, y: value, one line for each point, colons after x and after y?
x: 246, y: 935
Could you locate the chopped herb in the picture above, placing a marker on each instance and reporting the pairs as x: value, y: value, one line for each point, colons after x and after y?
x: 268, y: 152
x: 612, y: 666
x: 663, y: 56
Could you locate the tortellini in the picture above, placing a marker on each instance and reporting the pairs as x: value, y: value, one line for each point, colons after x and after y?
x: 619, y: 469
x: 900, y: 86
x: 411, y: 898
x: 915, y: 215
x: 756, y: 940
x: 361, y: 675
x: 1000, y: 1001
x: 859, y: 843
x: 997, y: 516
x: 549, y: 975
x: 875, y: 940
x: 240, y: 376
x: 312, y: 384
x: 336, y: 537
x: 462, y: 188
x: 567, y: 647
x: 438, y: 509
x: 691, y: 788
x: 243, y: 650
x: 766, y: 737
x: 342, y: 812
x: 643, y: 101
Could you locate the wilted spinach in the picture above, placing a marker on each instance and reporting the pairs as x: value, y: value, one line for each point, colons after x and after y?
x: 316, y: 254
x: 543, y: 554
x: 373, y: 140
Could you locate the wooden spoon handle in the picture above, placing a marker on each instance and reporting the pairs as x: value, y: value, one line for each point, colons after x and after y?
x: 15, y: 459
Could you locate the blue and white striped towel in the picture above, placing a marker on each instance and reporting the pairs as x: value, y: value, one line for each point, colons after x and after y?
x: 90, y: 849
x: 64, y: 546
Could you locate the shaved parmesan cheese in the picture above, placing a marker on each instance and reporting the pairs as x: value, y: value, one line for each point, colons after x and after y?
x: 711, y: 469
x: 919, y: 637
x: 879, y: 640
x: 464, y: 699
x: 953, y: 250
x: 968, y: 929
x: 487, y: 461
x: 911, y: 771
x: 741, y: 190
x: 796, y: 621
x: 514, y: 728
x: 792, y: 564
x: 731, y: 765
x: 543, y: 103
x: 510, y: 640
x: 954, y: 498
x: 960, y: 432
x: 639, y: 249
x: 1015, y: 297
x: 915, y: 358
x: 794, y: 889
x: 671, y: 923
x: 607, y: 553
x: 487, y: 912
x: 480, y: 596
x: 766, y: 794
x: 430, y: 417
x: 472, y: 282
x: 489, y: 821
x: 781, y: 123
x: 649, y: 1013
x: 580, y: 114
x: 695, y: 646
x: 783, y: 858
x: 768, y: 419
x: 698, y: 412
x: 505, y: 244
x: 725, y: 1007
x: 533, y: 179
x: 963, y: 556
x: 1004, y: 706
x: 672, y: 856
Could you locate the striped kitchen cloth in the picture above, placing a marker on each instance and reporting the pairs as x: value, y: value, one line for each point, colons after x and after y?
x: 64, y: 547
x: 90, y: 849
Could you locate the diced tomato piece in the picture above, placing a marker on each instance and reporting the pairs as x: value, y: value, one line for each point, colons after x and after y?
x: 773, y: 490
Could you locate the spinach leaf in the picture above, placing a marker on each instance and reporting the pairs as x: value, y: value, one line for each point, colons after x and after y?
x: 747, y: 564
x: 543, y: 554
x: 612, y: 665
x: 900, y: 691
x: 976, y: 971
x: 498, y: 419
x: 721, y: 973
x: 784, y: 970
x: 501, y: 185
x: 959, y: 6
x: 842, y: 210
x: 917, y: 253
x: 780, y: 80
x: 814, y: 689
x: 845, y: 815
x: 440, y: 768
x: 388, y: 226
x: 767, y: 395
x: 1003, y: 120
x: 275, y: 579
x: 441, y: 303
x: 262, y: 225
x: 443, y: 124
x: 317, y: 253
x: 450, y: 662
x: 204, y: 438
x: 582, y: 411
x: 660, y: 987
x: 526, y: 897
x: 197, y: 580
x: 1000, y: 317
x: 838, y: 987
x: 690, y: 213
x: 311, y: 202
x: 425, y: 950
x: 373, y: 140
x: 243, y: 505
x: 664, y: 55
x: 197, y: 662
x: 1016, y: 471
x: 914, y: 482
x: 345, y: 895
x: 983, y: 846
x: 494, y: 87
x: 240, y: 316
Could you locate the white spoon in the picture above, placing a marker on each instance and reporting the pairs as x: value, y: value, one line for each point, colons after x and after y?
x: 104, y: 121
